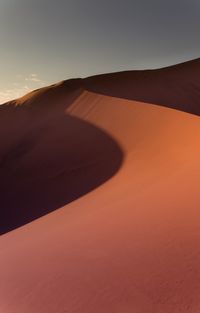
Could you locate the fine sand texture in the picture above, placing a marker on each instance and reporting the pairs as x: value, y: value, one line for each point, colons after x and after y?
x: 99, y: 195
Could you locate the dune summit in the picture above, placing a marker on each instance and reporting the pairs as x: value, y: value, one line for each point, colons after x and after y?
x: 99, y: 197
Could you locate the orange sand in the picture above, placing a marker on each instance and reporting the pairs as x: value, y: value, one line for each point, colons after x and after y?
x: 130, y: 241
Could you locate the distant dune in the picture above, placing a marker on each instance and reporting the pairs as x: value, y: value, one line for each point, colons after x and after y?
x: 99, y: 195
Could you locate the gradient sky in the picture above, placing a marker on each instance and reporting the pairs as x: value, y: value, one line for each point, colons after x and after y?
x: 43, y: 41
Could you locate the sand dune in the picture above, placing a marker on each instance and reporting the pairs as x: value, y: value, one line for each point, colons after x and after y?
x: 129, y: 242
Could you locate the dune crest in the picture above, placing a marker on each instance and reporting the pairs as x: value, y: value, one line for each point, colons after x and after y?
x: 48, y: 157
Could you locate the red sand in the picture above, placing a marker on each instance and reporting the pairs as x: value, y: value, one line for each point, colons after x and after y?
x: 131, y: 245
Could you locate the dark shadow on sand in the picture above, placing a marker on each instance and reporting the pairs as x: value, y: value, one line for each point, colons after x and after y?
x: 58, y: 159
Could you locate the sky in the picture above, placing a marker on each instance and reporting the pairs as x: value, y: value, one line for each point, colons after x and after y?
x: 43, y: 41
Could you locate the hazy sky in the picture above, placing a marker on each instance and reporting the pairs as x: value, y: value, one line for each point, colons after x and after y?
x: 44, y: 41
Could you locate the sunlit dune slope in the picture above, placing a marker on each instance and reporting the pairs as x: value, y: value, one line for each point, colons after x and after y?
x: 129, y: 242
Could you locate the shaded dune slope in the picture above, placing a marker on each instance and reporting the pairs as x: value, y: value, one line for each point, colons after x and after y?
x: 176, y: 86
x: 130, y: 245
x: 49, y: 158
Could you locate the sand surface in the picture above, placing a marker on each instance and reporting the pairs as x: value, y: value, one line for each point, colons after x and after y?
x: 109, y: 188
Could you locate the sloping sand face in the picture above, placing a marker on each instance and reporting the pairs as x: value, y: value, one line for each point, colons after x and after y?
x: 132, y: 244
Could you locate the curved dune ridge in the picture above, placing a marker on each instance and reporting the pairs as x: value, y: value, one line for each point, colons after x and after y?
x: 100, y: 187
